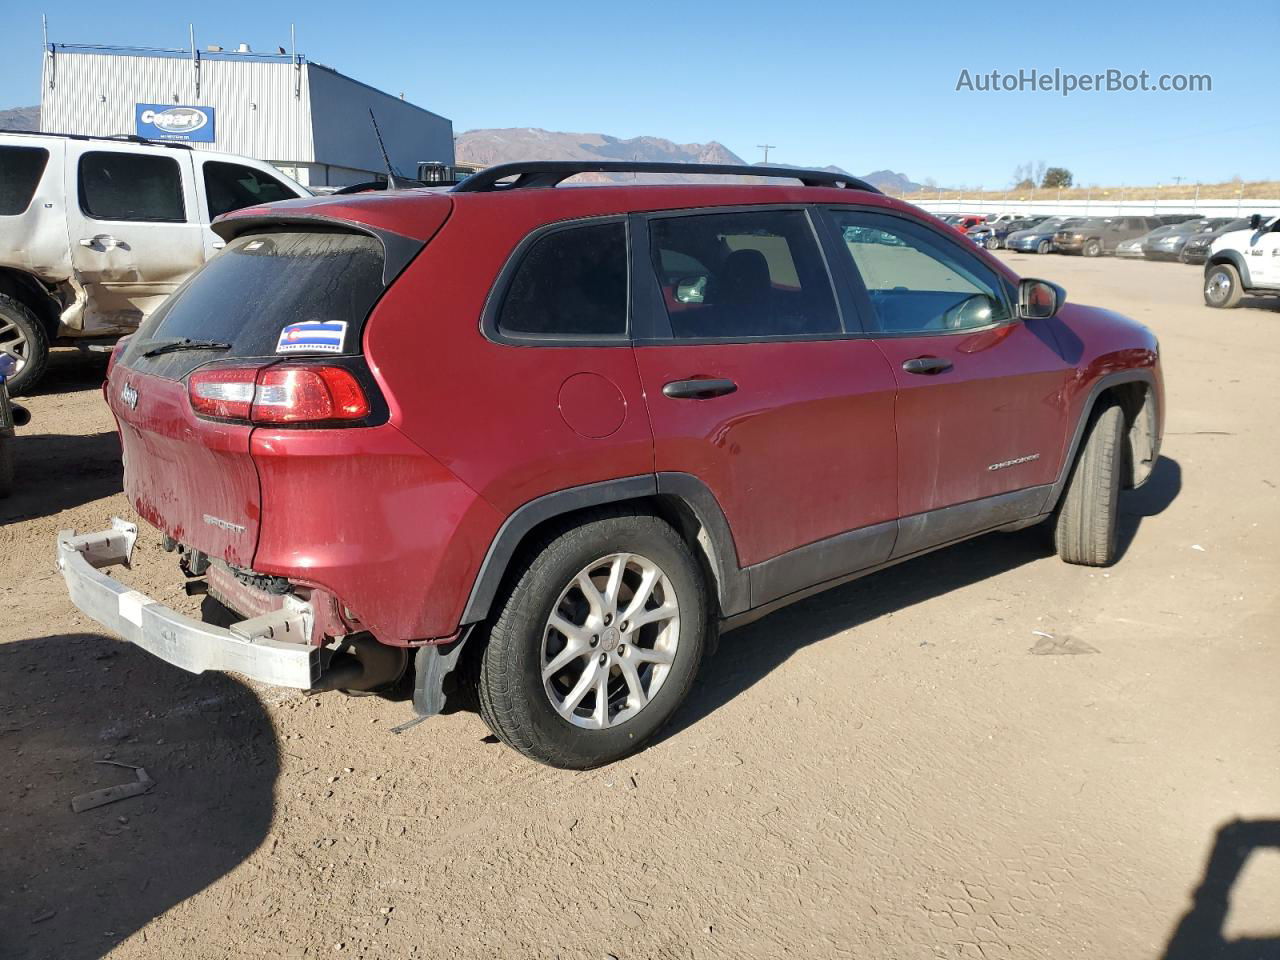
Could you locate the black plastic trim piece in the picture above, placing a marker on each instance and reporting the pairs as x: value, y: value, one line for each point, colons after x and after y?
x: 528, y: 516
x: 1104, y: 383
x: 541, y: 174
x: 937, y: 528
x: 731, y: 580
x: 820, y: 561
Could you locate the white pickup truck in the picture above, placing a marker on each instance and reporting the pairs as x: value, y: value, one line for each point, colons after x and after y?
x: 96, y: 231
x: 1244, y: 262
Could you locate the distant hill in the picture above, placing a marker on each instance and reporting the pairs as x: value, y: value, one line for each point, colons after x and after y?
x: 20, y: 118
x: 487, y: 147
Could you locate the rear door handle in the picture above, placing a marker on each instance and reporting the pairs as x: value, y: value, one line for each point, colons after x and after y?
x: 698, y: 389
x: 926, y: 365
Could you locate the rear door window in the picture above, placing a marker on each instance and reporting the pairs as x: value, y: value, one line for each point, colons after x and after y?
x: 747, y: 275
x: 570, y: 283
x: 231, y: 186
x: 257, y: 286
x: 131, y: 186
x: 20, y: 171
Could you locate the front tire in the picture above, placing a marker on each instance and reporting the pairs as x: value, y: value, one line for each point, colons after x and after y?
x: 1085, y: 529
x: 992, y: 243
x: 23, y: 337
x: 1222, y: 287
x: 596, y: 644
x: 1092, y: 248
x: 1044, y: 246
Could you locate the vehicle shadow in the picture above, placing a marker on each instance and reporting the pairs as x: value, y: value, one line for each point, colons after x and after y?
x: 1200, y: 934
x: 56, y: 471
x: 1261, y: 303
x: 73, y: 886
x: 71, y: 371
x: 1149, y: 500
x: 750, y: 653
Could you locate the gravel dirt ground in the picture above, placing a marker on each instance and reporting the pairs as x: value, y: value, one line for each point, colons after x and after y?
x: 984, y: 753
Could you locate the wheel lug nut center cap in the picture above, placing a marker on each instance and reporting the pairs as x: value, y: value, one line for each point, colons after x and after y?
x: 609, y: 640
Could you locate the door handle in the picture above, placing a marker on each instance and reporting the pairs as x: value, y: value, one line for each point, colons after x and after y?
x: 219, y: 244
x: 698, y: 389
x: 106, y: 241
x: 926, y: 365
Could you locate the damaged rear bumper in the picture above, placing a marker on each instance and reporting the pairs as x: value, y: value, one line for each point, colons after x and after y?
x: 273, y: 648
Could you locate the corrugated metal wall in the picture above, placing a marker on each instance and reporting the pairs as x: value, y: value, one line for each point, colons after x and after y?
x: 257, y: 114
x: 344, y: 137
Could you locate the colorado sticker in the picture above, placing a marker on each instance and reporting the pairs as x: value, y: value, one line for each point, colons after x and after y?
x: 312, y: 337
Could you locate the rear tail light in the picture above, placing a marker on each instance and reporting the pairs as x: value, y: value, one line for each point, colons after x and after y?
x: 278, y: 394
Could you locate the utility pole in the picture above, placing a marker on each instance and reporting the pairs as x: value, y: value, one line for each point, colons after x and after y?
x: 766, y: 147
x: 1177, y: 181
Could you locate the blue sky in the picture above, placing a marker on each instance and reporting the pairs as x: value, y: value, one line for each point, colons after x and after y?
x: 862, y: 86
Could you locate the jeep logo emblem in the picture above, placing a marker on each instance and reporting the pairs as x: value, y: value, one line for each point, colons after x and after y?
x: 129, y: 396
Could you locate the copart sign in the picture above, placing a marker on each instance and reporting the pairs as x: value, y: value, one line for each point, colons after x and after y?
x: 160, y: 121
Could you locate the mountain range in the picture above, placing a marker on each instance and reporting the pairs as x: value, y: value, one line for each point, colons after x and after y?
x: 486, y: 147
x: 503, y: 145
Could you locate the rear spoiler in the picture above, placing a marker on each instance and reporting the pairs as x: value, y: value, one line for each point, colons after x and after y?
x: 397, y: 249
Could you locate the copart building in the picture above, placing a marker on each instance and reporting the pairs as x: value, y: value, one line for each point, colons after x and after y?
x: 305, y: 118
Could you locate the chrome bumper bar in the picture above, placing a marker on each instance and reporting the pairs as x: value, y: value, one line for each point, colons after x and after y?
x: 274, y: 648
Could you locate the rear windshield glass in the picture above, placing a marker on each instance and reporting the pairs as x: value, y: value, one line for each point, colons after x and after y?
x: 20, y: 171
x: 260, y: 284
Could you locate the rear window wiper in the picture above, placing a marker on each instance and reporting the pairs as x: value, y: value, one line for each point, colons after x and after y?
x: 186, y: 343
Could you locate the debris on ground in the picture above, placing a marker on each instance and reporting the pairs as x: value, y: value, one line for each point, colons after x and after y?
x: 121, y: 791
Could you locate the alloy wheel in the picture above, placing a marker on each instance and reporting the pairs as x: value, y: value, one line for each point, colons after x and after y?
x: 608, y: 645
x: 1218, y: 287
x: 14, y: 343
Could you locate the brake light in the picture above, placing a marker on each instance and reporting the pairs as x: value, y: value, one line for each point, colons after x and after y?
x: 225, y: 392
x: 278, y: 394
x: 304, y: 394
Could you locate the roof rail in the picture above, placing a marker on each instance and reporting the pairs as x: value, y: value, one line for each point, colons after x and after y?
x: 113, y: 137
x: 548, y: 173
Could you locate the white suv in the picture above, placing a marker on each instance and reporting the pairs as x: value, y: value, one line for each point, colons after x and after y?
x: 1244, y: 261
x: 95, y: 232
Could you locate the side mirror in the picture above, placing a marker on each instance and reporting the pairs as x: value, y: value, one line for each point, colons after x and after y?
x: 1255, y: 221
x: 1039, y: 299
x: 691, y: 290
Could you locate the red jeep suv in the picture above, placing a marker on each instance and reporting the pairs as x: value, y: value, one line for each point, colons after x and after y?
x: 540, y: 444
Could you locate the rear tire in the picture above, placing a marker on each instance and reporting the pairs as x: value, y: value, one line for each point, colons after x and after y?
x: 644, y: 674
x: 1085, y: 528
x: 23, y: 335
x: 1222, y: 287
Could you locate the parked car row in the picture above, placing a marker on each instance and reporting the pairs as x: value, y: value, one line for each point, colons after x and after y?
x: 1241, y: 254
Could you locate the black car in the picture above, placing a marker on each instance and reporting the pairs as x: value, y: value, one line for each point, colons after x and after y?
x: 1196, y: 249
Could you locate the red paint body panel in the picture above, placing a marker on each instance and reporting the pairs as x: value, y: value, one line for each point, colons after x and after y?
x: 491, y: 411
x: 183, y: 473
x: 803, y: 450
x: 370, y: 517
x: 1002, y: 399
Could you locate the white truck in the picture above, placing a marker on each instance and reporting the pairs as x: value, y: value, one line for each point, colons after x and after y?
x: 1244, y: 262
x: 96, y: 231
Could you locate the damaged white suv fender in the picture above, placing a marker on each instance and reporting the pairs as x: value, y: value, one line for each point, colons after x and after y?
x: 96, y: 231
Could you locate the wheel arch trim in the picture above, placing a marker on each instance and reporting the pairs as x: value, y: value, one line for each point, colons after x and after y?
x: 692, y: 493
x: 1101, y: 386
x: 1234, y: 258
